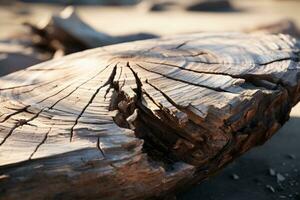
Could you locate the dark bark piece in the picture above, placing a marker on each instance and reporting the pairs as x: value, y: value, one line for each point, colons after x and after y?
x: 142, y: 119
x: 158, y: 6
x: 211, y: 6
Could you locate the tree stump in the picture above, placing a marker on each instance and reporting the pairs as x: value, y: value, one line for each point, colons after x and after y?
x: 142, y: 119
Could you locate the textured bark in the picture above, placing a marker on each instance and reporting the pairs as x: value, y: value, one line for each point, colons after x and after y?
x: 142, y: 119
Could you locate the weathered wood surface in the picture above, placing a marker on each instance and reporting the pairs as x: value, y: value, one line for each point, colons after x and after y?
x: 141, y: 119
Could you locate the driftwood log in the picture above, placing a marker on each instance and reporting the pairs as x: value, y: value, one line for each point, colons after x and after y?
x: 66, y: 33
x: 143, y: 119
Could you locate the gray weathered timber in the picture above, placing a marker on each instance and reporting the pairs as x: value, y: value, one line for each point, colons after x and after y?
x: 142, y: 119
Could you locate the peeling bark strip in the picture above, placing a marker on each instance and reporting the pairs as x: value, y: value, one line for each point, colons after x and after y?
x: 143, y: 119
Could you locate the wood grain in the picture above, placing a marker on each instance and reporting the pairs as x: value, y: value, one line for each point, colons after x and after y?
x: 142, y: 119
